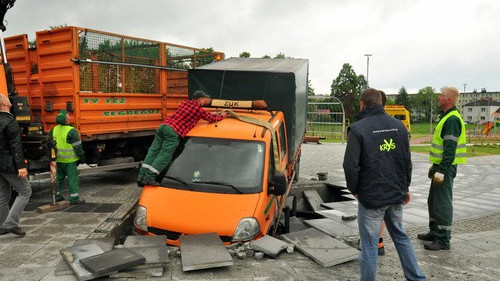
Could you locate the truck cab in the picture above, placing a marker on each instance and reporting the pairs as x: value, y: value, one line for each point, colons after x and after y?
x: 401, y: 113
x: 226, y: 177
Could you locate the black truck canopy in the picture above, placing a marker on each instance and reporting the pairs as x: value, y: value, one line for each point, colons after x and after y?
x: 282, y: 83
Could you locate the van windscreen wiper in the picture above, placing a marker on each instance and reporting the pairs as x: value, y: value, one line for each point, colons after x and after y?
x: 180, y: 180
x: 222, y: 183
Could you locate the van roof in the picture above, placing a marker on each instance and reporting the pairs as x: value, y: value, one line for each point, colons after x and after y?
x: 233, y: 128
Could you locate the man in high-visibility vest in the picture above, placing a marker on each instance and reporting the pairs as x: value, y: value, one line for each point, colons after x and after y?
x: 447, y: 150
x: 69, y: 152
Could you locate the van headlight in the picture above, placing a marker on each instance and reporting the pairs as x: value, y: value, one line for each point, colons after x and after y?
x: 140, y: 219
x: 247, y: 229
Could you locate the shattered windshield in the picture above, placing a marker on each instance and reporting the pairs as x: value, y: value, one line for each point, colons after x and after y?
x: 217, y: 165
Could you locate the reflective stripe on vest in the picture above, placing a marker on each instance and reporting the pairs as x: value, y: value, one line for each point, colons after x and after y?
x: 65, y: 151
x: 436, y: 153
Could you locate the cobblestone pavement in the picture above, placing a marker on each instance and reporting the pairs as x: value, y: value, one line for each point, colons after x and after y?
x: 475, y: 252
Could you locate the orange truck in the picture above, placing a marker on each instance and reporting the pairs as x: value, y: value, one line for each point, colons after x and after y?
x: 117, y: 89
x: 401, y: 113
x: 232, y: 177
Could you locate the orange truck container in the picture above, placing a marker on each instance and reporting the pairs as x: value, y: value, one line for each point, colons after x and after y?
x: 232, y: 177
x: 117, y: 89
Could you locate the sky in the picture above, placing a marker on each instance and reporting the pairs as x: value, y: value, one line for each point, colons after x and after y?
x: 413, y: 43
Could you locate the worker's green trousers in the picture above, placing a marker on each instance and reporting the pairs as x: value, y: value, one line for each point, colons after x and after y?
x: 69, y: 170
x: 159, y: 154
x: 440, y: 204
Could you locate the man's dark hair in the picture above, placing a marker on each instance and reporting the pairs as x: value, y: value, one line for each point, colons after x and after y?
x: 371, y: 96
x: 384, y: 97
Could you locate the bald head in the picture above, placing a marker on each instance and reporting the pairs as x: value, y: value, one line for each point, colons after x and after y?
x: 452, y: 93
x: 4, y: 103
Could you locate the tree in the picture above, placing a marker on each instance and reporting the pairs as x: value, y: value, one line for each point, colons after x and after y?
x: 420, y: 104
x: 310, y: 89
x: 245, y: 54
x: 347, y: 88
x: 280, y: 56
x: 266, y: 57
x: 402, y: 98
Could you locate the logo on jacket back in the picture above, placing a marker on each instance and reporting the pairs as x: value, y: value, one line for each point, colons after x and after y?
x: 387, y: 145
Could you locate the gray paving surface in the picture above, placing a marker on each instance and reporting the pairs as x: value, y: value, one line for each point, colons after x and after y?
x: 475, y: 252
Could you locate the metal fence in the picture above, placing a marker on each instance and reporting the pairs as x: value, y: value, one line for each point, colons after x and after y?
x: 325, y: 118
x: 111, y: 63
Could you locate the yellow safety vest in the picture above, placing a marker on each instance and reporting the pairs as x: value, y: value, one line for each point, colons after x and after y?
x: 436, y: 153
x: 65, y: 151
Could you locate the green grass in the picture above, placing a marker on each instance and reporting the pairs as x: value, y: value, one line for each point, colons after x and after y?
x: 472, y: 151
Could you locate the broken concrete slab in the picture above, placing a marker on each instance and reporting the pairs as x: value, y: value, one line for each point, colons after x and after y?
x: 350, y: 206
x: 296, y: 224
x: 106, y: 244
x: 321, y: 248
x: 153, y: 255
x: 333, y: 214
x: 202, y: 251
x: 111, y: 261
x: 72, y: 255
x: 312, y: 197
x: 139, y: 272
x: 134, y: 241
x: 269, y: 245
x: 335, y: 228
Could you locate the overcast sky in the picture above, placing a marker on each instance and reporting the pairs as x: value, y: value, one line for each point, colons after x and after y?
x: 414, y: 43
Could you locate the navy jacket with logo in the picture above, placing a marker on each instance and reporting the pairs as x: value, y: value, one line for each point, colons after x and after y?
x: 377, y: 161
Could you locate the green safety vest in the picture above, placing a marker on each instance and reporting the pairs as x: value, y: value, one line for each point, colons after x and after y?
x: 65, y: 151
x: 436, y: 153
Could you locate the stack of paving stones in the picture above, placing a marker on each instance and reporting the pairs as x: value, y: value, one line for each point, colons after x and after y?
x: 139, y: 256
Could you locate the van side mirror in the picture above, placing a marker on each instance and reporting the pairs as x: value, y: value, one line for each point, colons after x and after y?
x: 277, y: 184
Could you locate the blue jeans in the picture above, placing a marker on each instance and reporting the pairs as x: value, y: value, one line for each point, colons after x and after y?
x: 369, y: 222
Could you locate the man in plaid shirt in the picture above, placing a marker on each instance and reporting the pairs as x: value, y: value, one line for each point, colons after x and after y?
x: 170, y: 131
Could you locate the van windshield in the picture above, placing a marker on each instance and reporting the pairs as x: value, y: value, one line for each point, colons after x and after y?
x: 217, y: 165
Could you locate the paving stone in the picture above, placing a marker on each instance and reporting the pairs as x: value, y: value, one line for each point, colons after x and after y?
x: 312, y: 197
x: 72, y: 255
x: 134, y: 241
x: 154, y: 255
x: 335, y: 227
x: 112, y: 261
x: 296, y: 224
x: 202, y: 251
x: 321, y: 248
x: 269, y: 246
x: 334, y: 214
x: 350, y: 206
x: 139, y: 272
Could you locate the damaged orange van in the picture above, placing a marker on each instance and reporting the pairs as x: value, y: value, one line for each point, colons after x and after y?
x: 229, y: 177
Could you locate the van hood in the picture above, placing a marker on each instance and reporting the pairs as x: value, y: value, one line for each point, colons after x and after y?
x: 190, y: 212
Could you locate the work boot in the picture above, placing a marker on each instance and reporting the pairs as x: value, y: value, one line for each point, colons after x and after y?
x: 59, y: 198
x: 17, y: 231
x: 435, y: 246
x: 3, y: 231
x: 77, y: 202
x: 426, y: 236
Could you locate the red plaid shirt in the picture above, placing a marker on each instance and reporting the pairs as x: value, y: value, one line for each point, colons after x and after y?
x: 187, y: 115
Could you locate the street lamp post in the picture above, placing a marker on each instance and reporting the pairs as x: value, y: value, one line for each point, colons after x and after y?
x: 367, y: 67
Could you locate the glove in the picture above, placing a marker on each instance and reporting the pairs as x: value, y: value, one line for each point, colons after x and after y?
x: 438, y: 178
x: 429, y: 175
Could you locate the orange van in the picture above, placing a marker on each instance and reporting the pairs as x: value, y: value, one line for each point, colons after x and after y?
x: 222, y: 179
